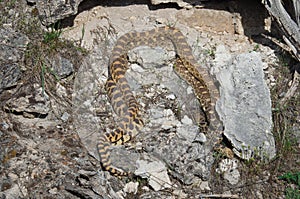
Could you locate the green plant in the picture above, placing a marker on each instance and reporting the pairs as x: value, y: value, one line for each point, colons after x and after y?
x: 211, y: 52
x: 256, y: 47
x: 292, y: 178
x: 82, y: 34
x: 43, y: 70
x: 52, y: 35
x: 291, y: 193
x: 171, y: 24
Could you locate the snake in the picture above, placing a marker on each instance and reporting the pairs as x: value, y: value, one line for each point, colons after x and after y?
x: 124, y: 103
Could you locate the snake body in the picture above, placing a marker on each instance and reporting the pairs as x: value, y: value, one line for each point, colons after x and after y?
x: 124, y: 102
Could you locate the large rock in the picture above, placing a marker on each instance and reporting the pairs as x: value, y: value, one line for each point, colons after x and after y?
x: 52, y: 11
x: 245, y: 104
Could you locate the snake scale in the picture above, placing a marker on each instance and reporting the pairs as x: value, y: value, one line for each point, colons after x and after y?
x: 124, y: 102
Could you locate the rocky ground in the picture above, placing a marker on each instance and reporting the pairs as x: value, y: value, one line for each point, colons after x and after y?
x: 54, y: 106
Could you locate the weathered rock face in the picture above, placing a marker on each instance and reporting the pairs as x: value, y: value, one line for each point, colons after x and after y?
x: 61, y: 66
x: 52, y: 11
x: 12, y: 48
x: 245, y: 104
x: 163, y: 91
x: 31, y: 101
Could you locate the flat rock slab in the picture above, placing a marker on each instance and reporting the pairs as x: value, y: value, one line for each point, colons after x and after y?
x: 245, y: 104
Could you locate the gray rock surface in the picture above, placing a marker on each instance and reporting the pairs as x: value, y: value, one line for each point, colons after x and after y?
x: 229, y: 168
x: 52, y: 11
x: 61, y: 66
x: 9, y: 75
x: 155, y: 86
x: 12, y: 48
x: 155, y: 172
x: 245, y: 104
x: 31, y: 101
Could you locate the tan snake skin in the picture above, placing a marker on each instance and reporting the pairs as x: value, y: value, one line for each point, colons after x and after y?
x: 123, y: 101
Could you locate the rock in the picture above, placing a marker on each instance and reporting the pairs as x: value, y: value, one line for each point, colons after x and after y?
x: 12, y: 45
x: 204, y: 186
x: 31, y: 101
x: 12, y: 48
x: 155, y: 172
x: 13, y: 192
x: 9, y: 75
x: 148, y: 57
x: 123, y: 159
x: 4, y: 125
x: 186, y: 120
x: 188, y: 131
x: 65, y: 116
x: 61, y: 91
x: 79, y: 191
x: 52, y: 11
x: 179, y: 194
x: 131, y: 187
x: 232, y: 176
x: 228, y: 167
x: 61, y: 66
x: 245, y: 104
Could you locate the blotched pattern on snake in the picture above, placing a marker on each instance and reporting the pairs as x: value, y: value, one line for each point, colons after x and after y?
x: 124, y: 102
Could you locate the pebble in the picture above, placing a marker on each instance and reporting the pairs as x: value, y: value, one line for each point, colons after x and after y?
x: 131, y: 187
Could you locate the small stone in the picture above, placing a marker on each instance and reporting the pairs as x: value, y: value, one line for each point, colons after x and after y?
x: 65, y: 116
x: 186, y: 120
x: 187, y: 131
x: 232, y: 176
x: 190, y: 90
x: 179, y: 193
x: 145, y: 188
x: 4, y: 125
x: 171, y: 97
x: 156, y: 172
x: 204, y: 186
x: 53, y: 191
x: 62, y: 67
x: 61, y: 90
x: 13, y: 177
x: 136, y: 68
x: 131, y: 187
x: 139, y: 146
x: 200, y: 137
x: 229, y: 168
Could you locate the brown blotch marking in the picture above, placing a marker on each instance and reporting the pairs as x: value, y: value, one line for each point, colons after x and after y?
x: 118, y: 49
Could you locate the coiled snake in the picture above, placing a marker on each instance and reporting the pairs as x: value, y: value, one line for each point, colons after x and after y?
x: 124, y: 102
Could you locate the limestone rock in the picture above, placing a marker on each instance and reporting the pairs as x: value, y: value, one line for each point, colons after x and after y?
x: 61, y: 66
x: 12, y: 48
x: 31, y: 101
x: 156, y: 172
x: 245, y: 104
x: 52, y: 11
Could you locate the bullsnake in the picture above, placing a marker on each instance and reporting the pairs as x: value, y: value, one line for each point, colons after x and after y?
x: 124, y: 102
